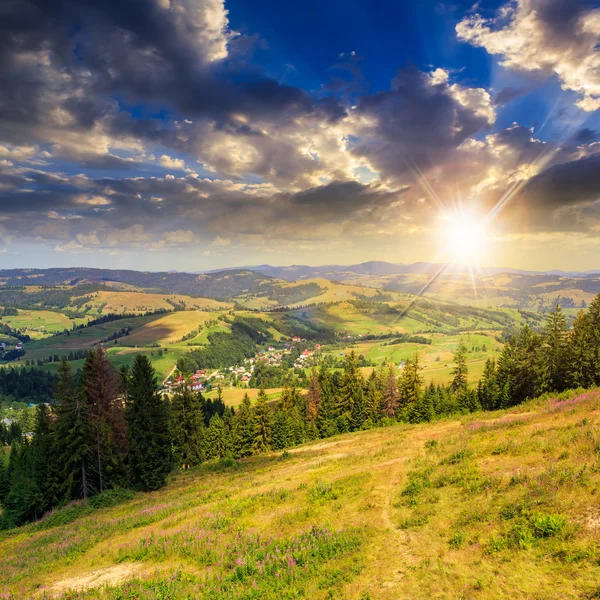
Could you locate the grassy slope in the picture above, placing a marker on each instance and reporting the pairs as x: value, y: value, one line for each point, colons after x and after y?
x: 141, y: 302
x: 442, y: 346
x: 494, y: 505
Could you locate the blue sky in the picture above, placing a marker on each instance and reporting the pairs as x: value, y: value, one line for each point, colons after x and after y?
x: 195, y: 134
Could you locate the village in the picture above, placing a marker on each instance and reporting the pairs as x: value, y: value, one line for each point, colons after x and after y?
x: 240, y: 375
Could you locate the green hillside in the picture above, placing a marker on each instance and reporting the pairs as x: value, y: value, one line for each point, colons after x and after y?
x: 492, y: 505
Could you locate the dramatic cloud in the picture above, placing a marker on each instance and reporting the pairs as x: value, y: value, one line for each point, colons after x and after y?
x: 558, y: 37
x: 149, y: 125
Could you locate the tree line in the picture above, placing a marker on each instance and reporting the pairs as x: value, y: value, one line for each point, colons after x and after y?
x: 116, y: 429
x: 554, y: 359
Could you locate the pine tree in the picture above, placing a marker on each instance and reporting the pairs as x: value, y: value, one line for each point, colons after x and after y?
x: 99, y: 390
x: 411, y: 385
x: 350, y: 393
x: 4, y: 477
x: 262, y: 425
x: 373, y: 400
x: 488, y: 391
x: 552, y: 355
x: 391, y: 397
x: 243, y: 429
x: 313, y: 404
x: 593, y: 318
x: 580, y: 369
x: 72, y: 440
x: 44, y: 468
x: 149, y: 435
x: 326, y: 416
x: 24, y: 498
x: 460, y: 373
x: 216, y: 441
x: 187, y: 427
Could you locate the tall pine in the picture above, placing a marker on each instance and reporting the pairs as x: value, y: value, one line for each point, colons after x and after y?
x: 147, y: 413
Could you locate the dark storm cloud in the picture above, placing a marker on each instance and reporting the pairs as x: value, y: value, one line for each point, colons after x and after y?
x: 74, y: 56
x: 420, y: 120
x: 569, y: 184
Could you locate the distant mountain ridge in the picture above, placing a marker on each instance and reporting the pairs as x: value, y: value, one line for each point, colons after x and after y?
x: 383, y: 268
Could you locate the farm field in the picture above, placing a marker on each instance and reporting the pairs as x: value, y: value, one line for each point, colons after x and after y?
x: 142, y: 302
x: 436, y: 358
x: 487, y: 506
x: 44, y: 321
x: 233, y: 396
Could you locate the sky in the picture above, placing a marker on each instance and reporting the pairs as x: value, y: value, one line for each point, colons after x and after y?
x: 200, y: 134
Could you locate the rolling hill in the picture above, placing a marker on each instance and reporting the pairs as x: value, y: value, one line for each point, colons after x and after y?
x: 490, y: 506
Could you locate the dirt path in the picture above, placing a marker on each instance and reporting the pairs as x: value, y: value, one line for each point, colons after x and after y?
x: 107, y: 576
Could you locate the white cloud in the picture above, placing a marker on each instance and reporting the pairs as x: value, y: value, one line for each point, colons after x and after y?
x: 180, y: 236
x: 171, y: 163
x: 529, y: 36
x: 88, y: 239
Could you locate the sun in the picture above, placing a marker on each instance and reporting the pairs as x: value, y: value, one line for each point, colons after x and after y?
x: 465, y: 238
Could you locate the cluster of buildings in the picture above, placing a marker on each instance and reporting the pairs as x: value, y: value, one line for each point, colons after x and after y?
x: 271, y: 357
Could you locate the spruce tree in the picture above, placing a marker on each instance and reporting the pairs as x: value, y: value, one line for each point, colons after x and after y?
x: 216, y: 440
x: 488, y: 391
x: 411, y: 385
x: 44, y: 468
x: 262, y: 425
x: 313, y: 404
x: 147, y: 414
x: 460, y: 373
x: 580, y: 368
x: 390, y: 400
x: 593, y: 326
x: 187, y: 427
x: 72, y: 441
x: 243, y: 429
x: 373, y: 400
x: 350, y: 396
x: 100, y: 391
x: 24, y: 500
x: 326, y: 416
x: 551, y: 359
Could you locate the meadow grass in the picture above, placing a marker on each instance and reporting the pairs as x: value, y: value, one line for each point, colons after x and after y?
x: 487, y: 506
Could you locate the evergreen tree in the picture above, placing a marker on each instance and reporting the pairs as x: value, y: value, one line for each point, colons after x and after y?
x: 580, y: 369
x: 72, y: 440
x: 350, y: 393
x: 243, y: 429
x: 391, y: 397
x: 187, y: 428
x: 24, y: 499
x: 593, y: 326
x: 326, y: 416
x: 99, y: 390
x: 460, y: 373
x: 488, y: 391
x: 262, y: 425
x: 373, y: 400
x: 147, y: 416
x: 217, y: 439
x: 313, y: 404
x: 4, y: 477
x: 552, y: 355
x: 411, y: 385
x: 44, y: 468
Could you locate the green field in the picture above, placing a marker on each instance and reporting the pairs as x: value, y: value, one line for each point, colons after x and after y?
x: 488, y: 506
x: 436, y: 358
x: 44, y: 321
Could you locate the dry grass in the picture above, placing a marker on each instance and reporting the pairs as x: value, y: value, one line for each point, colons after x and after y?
x: 490, y: 506
x: 141, y: 302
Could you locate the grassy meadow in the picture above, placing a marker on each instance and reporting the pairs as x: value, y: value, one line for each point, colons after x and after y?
x: 489, y: 506
x: 118, y: 301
